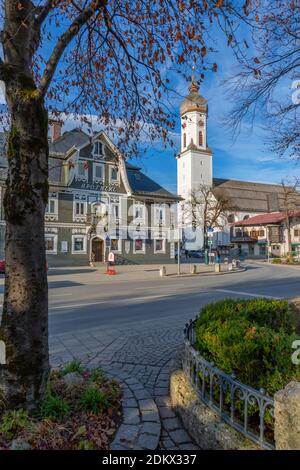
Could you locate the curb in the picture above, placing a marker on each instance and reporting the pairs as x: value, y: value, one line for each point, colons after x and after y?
x: 141, y: 426
x: 240, y: 270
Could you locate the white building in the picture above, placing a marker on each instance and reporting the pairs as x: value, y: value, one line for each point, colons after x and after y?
x: 195, y: 168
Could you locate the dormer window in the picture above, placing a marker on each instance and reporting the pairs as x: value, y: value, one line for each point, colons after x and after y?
x: 98, y: 149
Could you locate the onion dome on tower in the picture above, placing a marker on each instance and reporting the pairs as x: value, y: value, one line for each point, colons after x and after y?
x: 194, y: 101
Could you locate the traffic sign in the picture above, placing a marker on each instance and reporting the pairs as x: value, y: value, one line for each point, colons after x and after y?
x: 210, y: 234
x: 111, y: 257
x: 210, y: 230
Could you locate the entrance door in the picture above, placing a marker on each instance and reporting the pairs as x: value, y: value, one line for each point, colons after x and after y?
x: 97, y: 249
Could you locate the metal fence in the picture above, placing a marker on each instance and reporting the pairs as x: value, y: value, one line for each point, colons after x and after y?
x: 246, y: 409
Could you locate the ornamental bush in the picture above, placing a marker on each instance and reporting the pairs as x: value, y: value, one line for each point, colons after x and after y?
x: 251, y: 338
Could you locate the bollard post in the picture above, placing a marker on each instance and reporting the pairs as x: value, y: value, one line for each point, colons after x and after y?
x: 193, y: 269
x: 162, y: 271
x: 229, y: 266
x: 217, y: 268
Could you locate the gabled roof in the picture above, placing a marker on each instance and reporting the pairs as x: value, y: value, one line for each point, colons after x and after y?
x: 262, y: 219
x: 76, y: 137
x: 139, y: 183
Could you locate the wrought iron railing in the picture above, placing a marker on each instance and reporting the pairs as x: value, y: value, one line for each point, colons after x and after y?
x: 246, y: 409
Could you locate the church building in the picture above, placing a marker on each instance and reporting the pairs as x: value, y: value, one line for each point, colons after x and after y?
x: 195, y: 169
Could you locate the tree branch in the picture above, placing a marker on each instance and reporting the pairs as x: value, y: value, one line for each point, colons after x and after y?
x: 65, y: 40
x: 44, y: 11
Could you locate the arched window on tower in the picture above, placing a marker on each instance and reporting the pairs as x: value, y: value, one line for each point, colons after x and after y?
x: 184, y: 140
x: 200, y: 139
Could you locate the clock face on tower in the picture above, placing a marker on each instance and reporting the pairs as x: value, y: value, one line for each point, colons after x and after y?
x: 200, y: 123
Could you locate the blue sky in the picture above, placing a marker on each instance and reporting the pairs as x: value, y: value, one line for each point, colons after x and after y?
x: 246, y: 157
x: 242, y: 157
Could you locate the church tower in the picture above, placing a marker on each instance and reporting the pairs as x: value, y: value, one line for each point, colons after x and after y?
x: 194, y: 162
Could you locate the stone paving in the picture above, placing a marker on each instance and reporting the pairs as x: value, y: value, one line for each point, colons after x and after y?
x: 142, y: 357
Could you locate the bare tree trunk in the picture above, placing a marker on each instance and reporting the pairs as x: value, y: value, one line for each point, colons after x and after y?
x: 289, y: 239
x: 24, y: 325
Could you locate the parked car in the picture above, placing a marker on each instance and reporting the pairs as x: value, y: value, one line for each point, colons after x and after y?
x: 196, y: 254
x: 2, y: 266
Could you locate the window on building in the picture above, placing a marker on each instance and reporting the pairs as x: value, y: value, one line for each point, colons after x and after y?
x: 261, y: 233
x: 246, y: 217
x: 115, y: 211
x: 184, y: 140
x: 98, y: 172
x: 114, y: 244
x: 262, y: 249
x: 51, y: 206
x: 79, y: 244
x: 200, y: 139
x: 296, y: 232
x: 230, y: 219
x: 251, y: 249
x: 159, y: 246
x: 82, y: 169
x: 139, y: 211
x: 50, y: 242
x: 79, y: 208
x: 114, y: 174
x: 254, y: 233
x: 98, y: 149
x: 139, y: 246
x: 159, y: 215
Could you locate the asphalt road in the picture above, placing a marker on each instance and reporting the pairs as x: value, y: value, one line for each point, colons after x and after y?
x: 83, y: 300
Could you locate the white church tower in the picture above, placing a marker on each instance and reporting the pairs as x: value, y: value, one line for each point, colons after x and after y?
x: 194, y: 162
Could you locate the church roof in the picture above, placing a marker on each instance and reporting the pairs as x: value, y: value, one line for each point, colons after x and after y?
x: 253, y: 197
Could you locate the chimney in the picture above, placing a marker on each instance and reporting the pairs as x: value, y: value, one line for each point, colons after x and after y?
x: 56, y: 126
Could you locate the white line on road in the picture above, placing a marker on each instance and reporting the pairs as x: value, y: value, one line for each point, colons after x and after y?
x: 60, y: 295
x: 247, y: 293
x: 118, y: 300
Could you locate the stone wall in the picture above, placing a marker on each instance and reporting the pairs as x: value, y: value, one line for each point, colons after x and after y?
x: 203, y: 425
x: 287, y: 417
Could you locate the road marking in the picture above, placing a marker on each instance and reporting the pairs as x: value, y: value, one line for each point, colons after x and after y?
x: 59, y: 295
x: 247, y: 293
x: 131, y: 300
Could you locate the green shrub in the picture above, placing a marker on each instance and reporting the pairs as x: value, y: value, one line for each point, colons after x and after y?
x: 86, y: 445
x: 97, y: 375
x: 276, y: 260
x: 13, y: 422
x: 252, y: 338
x: 73, y: 366
x: 94, y: 400
x: 54, y: 408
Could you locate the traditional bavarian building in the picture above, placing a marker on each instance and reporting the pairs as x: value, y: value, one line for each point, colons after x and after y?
x: 98, y: 203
